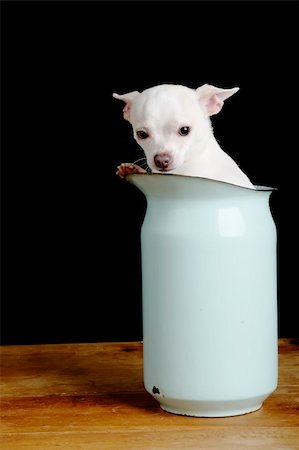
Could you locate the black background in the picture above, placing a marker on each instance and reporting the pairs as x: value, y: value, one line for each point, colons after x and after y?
x: 70, y: 227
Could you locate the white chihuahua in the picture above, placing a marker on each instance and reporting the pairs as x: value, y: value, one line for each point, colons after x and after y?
x: 171, y: 123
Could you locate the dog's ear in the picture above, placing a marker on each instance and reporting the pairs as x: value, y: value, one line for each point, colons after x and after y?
x: 128, y: 99
x: 212, y: 98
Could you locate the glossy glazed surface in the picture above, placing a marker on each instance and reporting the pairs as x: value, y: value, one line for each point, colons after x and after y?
x: 209, y: 295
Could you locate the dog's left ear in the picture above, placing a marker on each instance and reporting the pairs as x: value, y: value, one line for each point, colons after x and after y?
x: 212, y: 98
x: 128, y: 99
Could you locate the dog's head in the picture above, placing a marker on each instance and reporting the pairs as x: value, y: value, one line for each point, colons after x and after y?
x: 171, y: 121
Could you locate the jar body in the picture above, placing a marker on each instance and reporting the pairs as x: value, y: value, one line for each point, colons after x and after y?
x: 209, y: 298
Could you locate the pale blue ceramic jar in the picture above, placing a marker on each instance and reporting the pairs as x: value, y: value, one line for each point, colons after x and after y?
x: 209, y: 295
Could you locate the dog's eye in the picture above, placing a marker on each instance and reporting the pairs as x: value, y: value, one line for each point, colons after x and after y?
x: 184, y: 131
x: 142, y: 134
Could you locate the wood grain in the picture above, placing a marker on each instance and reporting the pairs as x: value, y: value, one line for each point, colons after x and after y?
x: 91, y: 397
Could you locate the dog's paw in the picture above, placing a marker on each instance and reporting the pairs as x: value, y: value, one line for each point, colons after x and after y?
x: 127, y: 169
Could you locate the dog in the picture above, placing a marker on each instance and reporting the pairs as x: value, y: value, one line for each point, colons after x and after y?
x: 172, y: 125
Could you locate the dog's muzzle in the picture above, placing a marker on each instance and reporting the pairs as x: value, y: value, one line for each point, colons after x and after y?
x: 163, y: 161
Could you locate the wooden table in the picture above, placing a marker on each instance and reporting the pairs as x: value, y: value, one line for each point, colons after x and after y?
x: 91, y: 397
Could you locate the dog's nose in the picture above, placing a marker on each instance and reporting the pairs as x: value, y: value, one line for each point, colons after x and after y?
x: 163, y: 160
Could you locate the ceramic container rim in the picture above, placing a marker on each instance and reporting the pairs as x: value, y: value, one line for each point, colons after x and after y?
x: 257, y: 187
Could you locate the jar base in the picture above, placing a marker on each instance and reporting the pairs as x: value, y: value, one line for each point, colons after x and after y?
x: 211, y: 409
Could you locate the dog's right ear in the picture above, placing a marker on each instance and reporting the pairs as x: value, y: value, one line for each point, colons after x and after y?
x: 128, y: 99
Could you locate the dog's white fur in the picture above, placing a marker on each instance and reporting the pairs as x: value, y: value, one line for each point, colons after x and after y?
x: 162, y: 111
